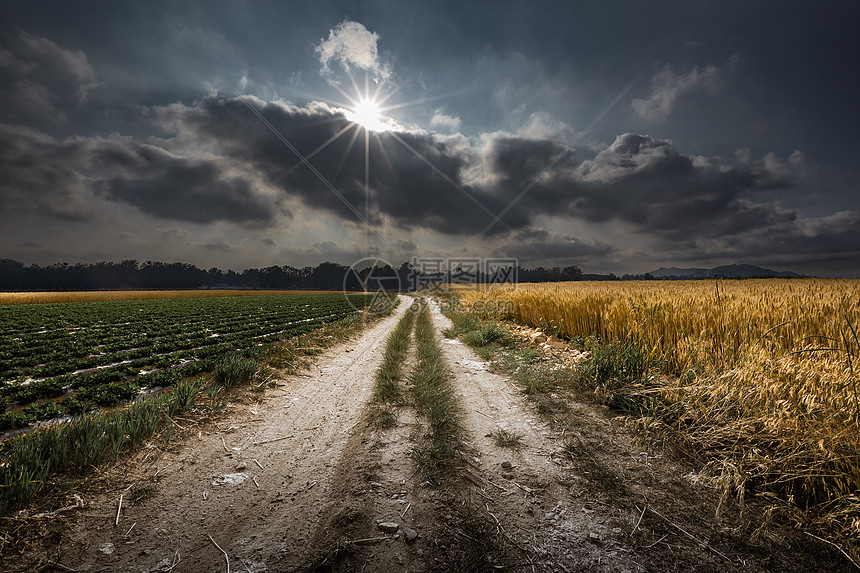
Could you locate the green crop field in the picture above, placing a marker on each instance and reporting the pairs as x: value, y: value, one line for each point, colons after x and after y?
x: 63, y: 359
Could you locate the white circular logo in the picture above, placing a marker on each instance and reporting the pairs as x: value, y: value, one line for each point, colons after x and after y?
x: 371, y: 277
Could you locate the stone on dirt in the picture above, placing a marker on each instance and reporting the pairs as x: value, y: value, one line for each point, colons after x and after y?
x: 388, y: 526
x: 411, y: 535
x: 231, y: 479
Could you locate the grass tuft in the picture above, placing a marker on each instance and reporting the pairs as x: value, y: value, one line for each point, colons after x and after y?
x: 487, y: 334
x: 185, y: 393
x: 213, y: 395
x: 615, y: 364
x: 462, y: 323
x: 506, y: 439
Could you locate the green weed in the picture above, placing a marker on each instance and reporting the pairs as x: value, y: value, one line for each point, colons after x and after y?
x: 529, y: 355
x: 213, y: 394
x: 234, y: 369
x: 185, y: 393
x: 462, y: 323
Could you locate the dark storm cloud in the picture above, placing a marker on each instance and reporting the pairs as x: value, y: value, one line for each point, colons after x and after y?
x: 646, y: 183
x: 641, y: 181
x: 828, y: 245
x: 58, y: 178
x: 38, y: 174
x: 39, y: 80
x: 219, y: 162
x: 413, y: 194
x: 836, y: 235
x: 170, y: 187
x: 405, y: 189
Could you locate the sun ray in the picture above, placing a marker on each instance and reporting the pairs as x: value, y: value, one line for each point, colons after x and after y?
x: 340, y: 105
x: 318, y: 149
x: 417, y: 101
x: 380, y: 99
x: 379, y: 85
x: 346, y: 153
x: 367, y: 186
x: 385, y: 154
x: 354, y: 84
x: 367, y: 87
x: 313, y: 169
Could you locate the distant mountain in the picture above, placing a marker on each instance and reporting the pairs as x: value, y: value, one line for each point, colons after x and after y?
x: 725, y: 271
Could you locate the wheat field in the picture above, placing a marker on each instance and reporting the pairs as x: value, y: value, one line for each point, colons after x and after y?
x: 758, y: 378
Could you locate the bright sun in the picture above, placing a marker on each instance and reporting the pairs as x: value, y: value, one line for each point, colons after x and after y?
x: 366, y: 113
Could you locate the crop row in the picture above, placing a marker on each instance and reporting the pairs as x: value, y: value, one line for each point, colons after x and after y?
x: 63, y: 359
x: 59, y: 357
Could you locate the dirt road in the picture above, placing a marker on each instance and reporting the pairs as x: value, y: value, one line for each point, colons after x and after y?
x: 305, y: 478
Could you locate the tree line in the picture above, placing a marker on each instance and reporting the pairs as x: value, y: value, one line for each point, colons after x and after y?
x: 132, y: 274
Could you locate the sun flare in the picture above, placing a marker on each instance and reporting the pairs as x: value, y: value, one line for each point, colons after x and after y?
x: 367, y: 114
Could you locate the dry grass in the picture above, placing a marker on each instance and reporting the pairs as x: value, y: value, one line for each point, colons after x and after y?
x: 103, y: 295
x: 435, y: 401
x: 754, y: 377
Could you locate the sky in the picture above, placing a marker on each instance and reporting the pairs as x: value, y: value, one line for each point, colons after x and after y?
x: 616, y: 136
